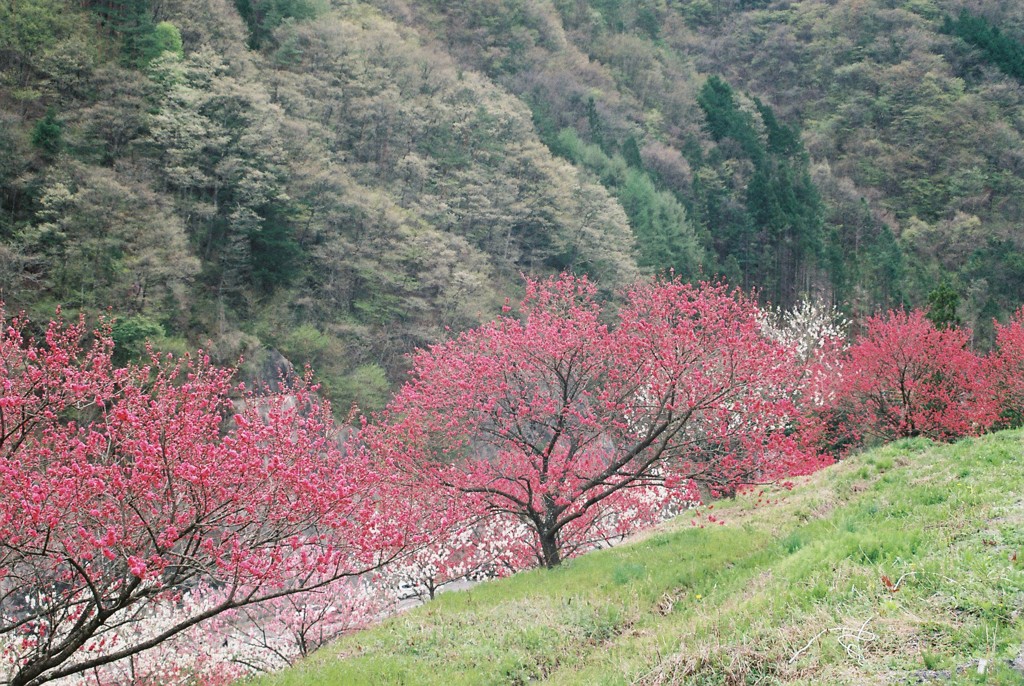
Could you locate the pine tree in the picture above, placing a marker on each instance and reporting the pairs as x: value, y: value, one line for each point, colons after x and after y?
x: 942, y: 305
x: 48, y: 134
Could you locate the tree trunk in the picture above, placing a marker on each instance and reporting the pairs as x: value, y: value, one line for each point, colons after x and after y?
x: 704, y: 489
x: 551, y: 556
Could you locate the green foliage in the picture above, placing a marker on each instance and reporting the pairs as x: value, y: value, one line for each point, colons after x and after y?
x: 631, y: 153
x: 366, y: 387
x: 725, y: 119
x: 130, y: 336
x: 376, y: 173
x: 998, y: 264
x: 133, y: 21
x: 48, y: 134
x: 344, y: 383
x: 142, y: 39
x: 664, y: 236
x: 942, y: 305
x: 264, y: 16
x: 783, y: 140
x: 28, y: 28
x: 780, y: 232
x: 594, y: 125
x: 893, y: 116
x: 886, y: 265
x: 305, y: 344
x: 99, y: 238
x: 275, y: 254
x: 165, y: 38
x: 699, y: 13
x: 611, y: 12
x: 1002, y: 50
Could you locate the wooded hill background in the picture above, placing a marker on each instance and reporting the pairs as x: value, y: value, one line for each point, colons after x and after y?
x: 340, y: 181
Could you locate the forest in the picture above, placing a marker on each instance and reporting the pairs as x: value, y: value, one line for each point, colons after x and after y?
x: 296, y: 182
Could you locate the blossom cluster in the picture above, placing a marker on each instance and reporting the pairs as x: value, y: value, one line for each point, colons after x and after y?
x: 162, y: 524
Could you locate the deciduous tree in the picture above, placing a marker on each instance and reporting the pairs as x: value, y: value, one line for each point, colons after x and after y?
x: 469, y: 550
x: 1004, y: 368
x: 580, y: 427
x: 904, y: 377
x: 122, y: 489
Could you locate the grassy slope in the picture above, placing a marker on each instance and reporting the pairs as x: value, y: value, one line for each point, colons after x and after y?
x: 790, y: 592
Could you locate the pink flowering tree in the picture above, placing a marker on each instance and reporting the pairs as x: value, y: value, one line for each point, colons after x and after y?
x: 122, y: 490
x: 1004, y: 367
x: 904, y: 377
x: 582, y: 424
x: 468, y: 551
x: 276, y: 634
x: 237, y: 643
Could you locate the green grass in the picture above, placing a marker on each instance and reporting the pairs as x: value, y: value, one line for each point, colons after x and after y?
x: 904, y: 565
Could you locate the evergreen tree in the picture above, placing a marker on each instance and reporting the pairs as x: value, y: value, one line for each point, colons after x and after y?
x: 781, y: 232
x: 133, y: 21
x: 631, y: 153
x: 942, y: 305
x: 594, y: 123
x: 1003, y: 51
x: 263, y: 16
x: 48, y: 134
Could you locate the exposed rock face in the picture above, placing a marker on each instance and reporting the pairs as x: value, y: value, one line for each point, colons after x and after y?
x: 276, y: 368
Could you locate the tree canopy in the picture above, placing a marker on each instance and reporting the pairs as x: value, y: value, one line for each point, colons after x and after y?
x: 576, y: 426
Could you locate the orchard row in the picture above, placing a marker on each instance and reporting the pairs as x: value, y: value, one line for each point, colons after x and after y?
x: 145, y: 510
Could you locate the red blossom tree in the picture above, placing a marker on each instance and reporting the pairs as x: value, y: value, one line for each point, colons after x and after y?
x: 122, y: 489
x: 1004, y: 367
x: 904, y: 377
x: 238, y: 643
x: 582, y: 424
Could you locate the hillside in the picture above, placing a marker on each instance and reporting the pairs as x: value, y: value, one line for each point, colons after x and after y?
x: 902, y: 565
x: 859, y: 149
x: 341, y: 181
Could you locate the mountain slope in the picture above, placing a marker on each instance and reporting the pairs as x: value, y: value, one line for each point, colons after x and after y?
x: 901, y: 565
x: 343, y: 181
x: 342, y: 194
x: 911, y: 131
